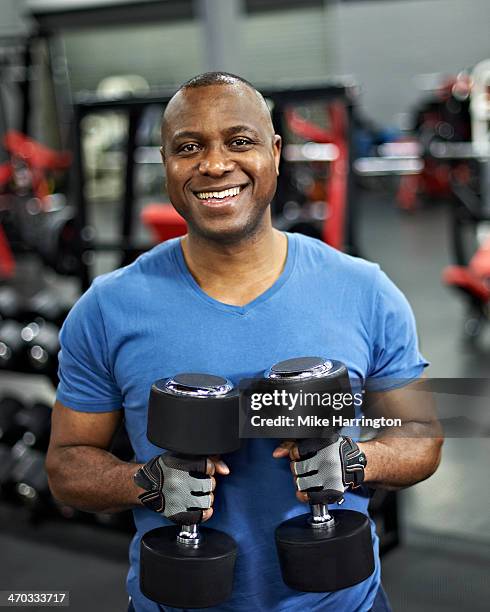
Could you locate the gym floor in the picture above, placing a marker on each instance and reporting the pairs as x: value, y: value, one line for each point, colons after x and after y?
x: 443, y: 561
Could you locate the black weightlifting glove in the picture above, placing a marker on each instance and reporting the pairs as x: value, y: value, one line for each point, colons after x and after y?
x: 329, y: 467
x: 176, y: 487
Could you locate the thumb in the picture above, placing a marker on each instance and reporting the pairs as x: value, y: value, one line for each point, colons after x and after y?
x: 283, y: 449
x: 220, y: 465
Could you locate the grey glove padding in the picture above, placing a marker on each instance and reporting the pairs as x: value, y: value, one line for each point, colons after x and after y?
x: 172, y: 490
x: 324, y: 470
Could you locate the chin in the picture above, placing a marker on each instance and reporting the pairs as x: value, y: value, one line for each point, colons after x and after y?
x: 227, y: 233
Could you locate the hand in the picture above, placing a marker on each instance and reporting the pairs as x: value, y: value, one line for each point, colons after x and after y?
x: 324, y: 468
x: 180, y: 488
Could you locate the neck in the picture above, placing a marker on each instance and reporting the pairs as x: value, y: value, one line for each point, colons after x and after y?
x: 239, y: 272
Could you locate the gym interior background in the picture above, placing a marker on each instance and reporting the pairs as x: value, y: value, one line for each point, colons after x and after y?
x: 384, y: 107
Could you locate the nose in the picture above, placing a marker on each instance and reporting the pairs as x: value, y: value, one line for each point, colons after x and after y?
x: 215, y: 162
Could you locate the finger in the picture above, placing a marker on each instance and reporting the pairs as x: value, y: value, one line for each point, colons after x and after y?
x: 202, y: 500
x: 305, y: 466
x: 220, y: 465
x: 302, y: 497
x: 200, y: 485
x: 213, y: 483
x: 294, y: 453
x: 207, y: 514
x: 210, y: 467
x: 211, y: 497
x: 222, y: 468
x: 306, y: 482
x: 283, y: 449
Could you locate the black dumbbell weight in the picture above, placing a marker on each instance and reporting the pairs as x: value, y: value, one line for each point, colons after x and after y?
x: 58, y: 240
x: 49, y: 305
x: 29, y: 477
x: 34, y: 423
x: 10, y: 430
x: 185, y: 566
x: 11, y: 303
x: 12, y: 355
x: 6, y: 462
x: 322, y: 550
x: 43, y: 345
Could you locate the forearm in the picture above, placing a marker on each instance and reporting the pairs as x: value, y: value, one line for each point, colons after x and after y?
x: 395, y: 462
x: 92, y: 479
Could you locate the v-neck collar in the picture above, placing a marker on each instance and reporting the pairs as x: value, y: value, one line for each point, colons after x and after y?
x: 231, y: 308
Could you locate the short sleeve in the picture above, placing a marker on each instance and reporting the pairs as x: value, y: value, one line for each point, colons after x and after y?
x: 395, y: 356
x: 85, y: 375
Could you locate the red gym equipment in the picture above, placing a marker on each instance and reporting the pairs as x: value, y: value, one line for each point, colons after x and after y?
x: 472, y: 280
x: 443, y: 118
x: 38, y: 158
x: 333, y: 231
x: 38, y: 161
x: 163, y: 221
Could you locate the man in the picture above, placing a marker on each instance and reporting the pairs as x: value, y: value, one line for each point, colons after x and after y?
x: 230, y: 298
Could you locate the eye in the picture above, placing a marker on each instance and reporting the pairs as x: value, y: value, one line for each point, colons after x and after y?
x: 190, y: 147
x: 241, y: 142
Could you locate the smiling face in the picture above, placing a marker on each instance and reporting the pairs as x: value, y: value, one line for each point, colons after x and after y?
x: 221, y: 159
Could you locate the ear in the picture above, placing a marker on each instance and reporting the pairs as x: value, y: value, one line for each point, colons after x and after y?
x: 162, y: 153
x: 277, y: 145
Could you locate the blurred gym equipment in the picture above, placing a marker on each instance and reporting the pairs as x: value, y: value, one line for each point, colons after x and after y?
x: 42, y: 345
x: 11, y: 345
x: 436, y: 148
x: 471, y: 276
x: 24, y: 436
x: 10, y: 430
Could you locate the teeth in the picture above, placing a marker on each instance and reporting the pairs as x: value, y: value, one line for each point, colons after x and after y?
x: 208, y: 195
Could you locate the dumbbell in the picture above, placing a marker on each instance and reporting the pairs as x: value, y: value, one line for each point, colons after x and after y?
x: 24, y: 434
x: 11, y: 345
x: 43, y: 345
x: 6, y: 462
x: 29, y: 477
x: 10, y: 431
x: 48, y: 305
x: 322, y: 550
x: 58, y: 240
x: 34, y: 424
x: 185, y: 566
x: 11, y: 303
x: 29, y: 422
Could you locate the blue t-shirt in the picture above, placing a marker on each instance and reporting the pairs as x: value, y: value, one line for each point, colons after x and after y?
x: 151, y: 320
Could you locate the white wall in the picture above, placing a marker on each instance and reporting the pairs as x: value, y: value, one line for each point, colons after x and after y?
x: 385, y: 44
x: 287, y: 46
x: 12, y: 20
x: 283, y: 46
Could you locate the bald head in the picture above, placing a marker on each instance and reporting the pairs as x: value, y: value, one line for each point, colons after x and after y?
x: 230, y: 82
x: 217, y: 136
